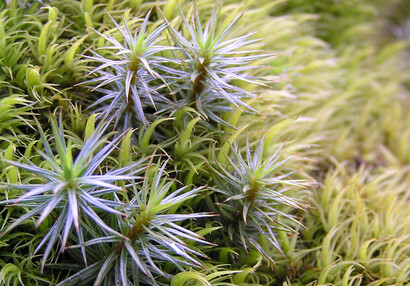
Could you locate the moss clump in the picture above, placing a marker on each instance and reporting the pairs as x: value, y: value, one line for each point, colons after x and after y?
x: 151, y: 143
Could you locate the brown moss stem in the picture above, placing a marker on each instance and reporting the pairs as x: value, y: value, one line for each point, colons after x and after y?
x: 137, y: 229
x: 199, y: 86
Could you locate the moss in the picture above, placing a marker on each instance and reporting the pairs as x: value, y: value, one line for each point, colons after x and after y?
x: 327, y: 86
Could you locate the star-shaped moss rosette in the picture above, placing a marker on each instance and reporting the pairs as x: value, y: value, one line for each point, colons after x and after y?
x: 256, y: 192
x: 213, y: 61
x: 153, y: 234
x: 135, y: 77
x: 70, y: 187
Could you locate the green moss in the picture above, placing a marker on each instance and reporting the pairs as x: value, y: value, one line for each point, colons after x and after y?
x: 324, y: 82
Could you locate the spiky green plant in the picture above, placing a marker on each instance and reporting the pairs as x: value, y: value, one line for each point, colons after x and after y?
x: 213, y: 61
x: 137, y: 75
x: 255, y: 194
x: 70, y: 185
x: 153, y: 235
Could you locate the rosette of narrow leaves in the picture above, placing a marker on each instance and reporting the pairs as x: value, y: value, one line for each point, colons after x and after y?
x: 153, y: 235
x: 137, y: 76
x: 256, y: 197
x: 69, y: 188
x: 213, y: 61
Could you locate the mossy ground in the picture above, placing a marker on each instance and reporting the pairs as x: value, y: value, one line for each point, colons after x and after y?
x: 340, y: 103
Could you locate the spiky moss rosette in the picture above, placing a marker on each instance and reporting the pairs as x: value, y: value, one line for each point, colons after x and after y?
x: 178, y: 143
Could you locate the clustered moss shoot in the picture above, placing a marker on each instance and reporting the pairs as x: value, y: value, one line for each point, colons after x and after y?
x: 192, y: 143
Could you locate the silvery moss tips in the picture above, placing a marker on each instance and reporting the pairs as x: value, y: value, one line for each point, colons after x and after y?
x: 255, y: 192
x: 141, y: 83
x: 136, y: 76
x: 154, y: 235
x: 70, y: 187
x: 212, y: 62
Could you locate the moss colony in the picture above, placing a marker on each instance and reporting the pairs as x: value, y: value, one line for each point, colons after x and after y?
x: 192, y: 143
